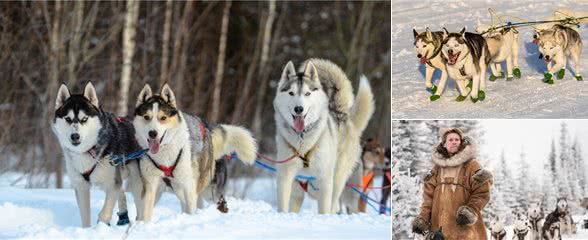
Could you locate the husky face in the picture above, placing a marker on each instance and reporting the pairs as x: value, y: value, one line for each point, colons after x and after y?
x: 549, y: 45
x: 76, y: 122
x: 535, y: 212
x: 156, y: 118
x: 562, y: 204
x: 300, y: 98
x: 423, y: 45
x: 496, y: 226
x: 454, y: 46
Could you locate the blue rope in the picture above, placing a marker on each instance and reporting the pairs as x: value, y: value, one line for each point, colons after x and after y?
x: 116, y: 160
x: 365, y: 198
x: 272, y: 169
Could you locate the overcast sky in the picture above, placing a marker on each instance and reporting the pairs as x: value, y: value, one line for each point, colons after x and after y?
x: 534, y: 136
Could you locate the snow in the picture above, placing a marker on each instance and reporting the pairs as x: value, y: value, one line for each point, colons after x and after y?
x: 527, y: 97
x: 53, y: 214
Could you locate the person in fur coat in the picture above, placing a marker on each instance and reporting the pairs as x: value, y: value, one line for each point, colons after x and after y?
x: 455, y: 191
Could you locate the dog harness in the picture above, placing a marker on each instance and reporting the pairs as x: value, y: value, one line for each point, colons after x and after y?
x: 167, y: 171
x: 520, y: 234
x: 435, y: 53
x: 86, y: 174
x: 366, y: 180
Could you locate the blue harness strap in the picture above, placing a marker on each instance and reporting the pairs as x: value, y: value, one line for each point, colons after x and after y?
x: 122, y: 159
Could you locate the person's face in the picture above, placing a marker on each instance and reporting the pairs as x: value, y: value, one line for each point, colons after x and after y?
x: 452, y: 143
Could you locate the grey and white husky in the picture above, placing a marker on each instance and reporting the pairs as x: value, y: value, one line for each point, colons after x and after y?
x: 87, y: 136
x: 182, y: 149
x: 556, y: 45
x: 319, y: 122
x: 467, y: 57
x: 503, y: 45
x: 428, y: 45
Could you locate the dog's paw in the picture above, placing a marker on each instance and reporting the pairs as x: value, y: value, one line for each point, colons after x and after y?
x: 481, y: 95
x: 434, y: 98
x: 561, y: 73
x: 466, y: 216
x: 492, y: 78
x: 548, y: 78
x: 517, y: 72
x: 579, y: 78
x: 432, y: 90
x: 501, y: 75
x: 470, y: 83
x: 123, y: 218
x: 509, y: 78
x: 474, y: 100
x: 420, y: 226
x: 460, y: 98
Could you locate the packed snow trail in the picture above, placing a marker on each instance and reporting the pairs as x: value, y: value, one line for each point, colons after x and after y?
x: 53, y: 214
x: 527, y: 97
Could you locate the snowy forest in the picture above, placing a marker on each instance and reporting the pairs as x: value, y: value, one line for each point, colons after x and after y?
x: 516, y: 185
x: 222, y: 59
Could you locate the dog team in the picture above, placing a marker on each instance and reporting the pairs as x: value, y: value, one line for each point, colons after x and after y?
x: 534, y: 225
x: 465, y: 56
x: 319, y: 123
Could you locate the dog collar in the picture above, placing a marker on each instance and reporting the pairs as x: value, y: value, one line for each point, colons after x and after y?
x: 499, y: 235
x: 167, y: 171
x: 93, y: 152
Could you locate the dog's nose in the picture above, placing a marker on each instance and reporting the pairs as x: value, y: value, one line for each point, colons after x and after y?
x: 75, y: 137
x: 450, y: 51
x: 535, y: 36
x: 298, y: 109
x: 152, y: 134
x: 546, y: 57
x: 419, y: 55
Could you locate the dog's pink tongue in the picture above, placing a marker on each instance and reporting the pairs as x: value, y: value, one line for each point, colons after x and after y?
x: 153, y: 146
x: 299, y: 123
x: 423, y: 60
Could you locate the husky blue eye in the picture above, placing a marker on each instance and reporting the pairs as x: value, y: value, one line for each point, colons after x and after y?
x: 291, y: 93
x: 84, y: 120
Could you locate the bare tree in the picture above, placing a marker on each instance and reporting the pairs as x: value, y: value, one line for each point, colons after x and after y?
x: 165, y: 44
x: 257, y: 120
x: 128, y: 52
x: 220, y: 64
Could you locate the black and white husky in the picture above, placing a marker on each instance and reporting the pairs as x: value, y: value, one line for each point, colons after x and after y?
x: 467, y: 57
x: 566, y: 222
x: 182, y: 149
x: 428, y: 45
x: 556, y: 45
x: 503, y: 45
x: 87, y: 136
x: 319, y: 122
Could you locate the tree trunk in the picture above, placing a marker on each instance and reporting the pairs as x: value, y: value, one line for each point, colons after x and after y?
x: 165, y: 44
x: 130, y: 30
x: 257, y: 120
x: 220, y: 64
x: 74, y: 44
x: 181, y: 43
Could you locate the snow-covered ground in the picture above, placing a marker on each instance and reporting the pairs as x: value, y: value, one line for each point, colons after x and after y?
x: 527, y: 97
x: 53, y: 214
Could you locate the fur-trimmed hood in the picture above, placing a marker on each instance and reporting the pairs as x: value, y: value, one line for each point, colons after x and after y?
x: 468, y: 152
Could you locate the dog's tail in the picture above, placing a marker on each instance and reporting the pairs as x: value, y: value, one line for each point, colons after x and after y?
x: 363, y: 106
x: 228, y: 139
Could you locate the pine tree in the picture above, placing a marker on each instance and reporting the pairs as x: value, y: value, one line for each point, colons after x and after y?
x: 407, y: 197
x: 524, y: 191
x: 563, y: 165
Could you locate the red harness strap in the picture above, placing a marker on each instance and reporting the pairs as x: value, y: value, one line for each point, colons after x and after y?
x: 202, y: 130
x: 303, y: 185
x: 389, y: 175
x: 119, y: 119
x: 86, y: 174
x: 366, y: 180
x: 168, y: 171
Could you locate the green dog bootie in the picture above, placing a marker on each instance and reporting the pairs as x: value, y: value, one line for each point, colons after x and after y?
x: 502, y: 75
x: 474, y: 100
x: 481, y: 95
x: 561, y: 74
x: 579, y: 78
x: 517, y: 72
x: 432, y: 90
x: 460, y: 98
x: 434, y: 98
x: 470, y: 83
x: 123, y: 218
x: 492, y: 78
x: 547, y: 77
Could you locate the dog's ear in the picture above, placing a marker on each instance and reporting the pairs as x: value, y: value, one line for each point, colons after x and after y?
x: 288, y: 70
x: 90, y: 94
x: 414, y: 33
x: 560, y: 37
x: 62, y: 96
x: 462, y: 32
x: 168, y: 95
x: 445, y: 33
x: 145, y: 94
x: 311, y: 72
x: 429, y: 34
